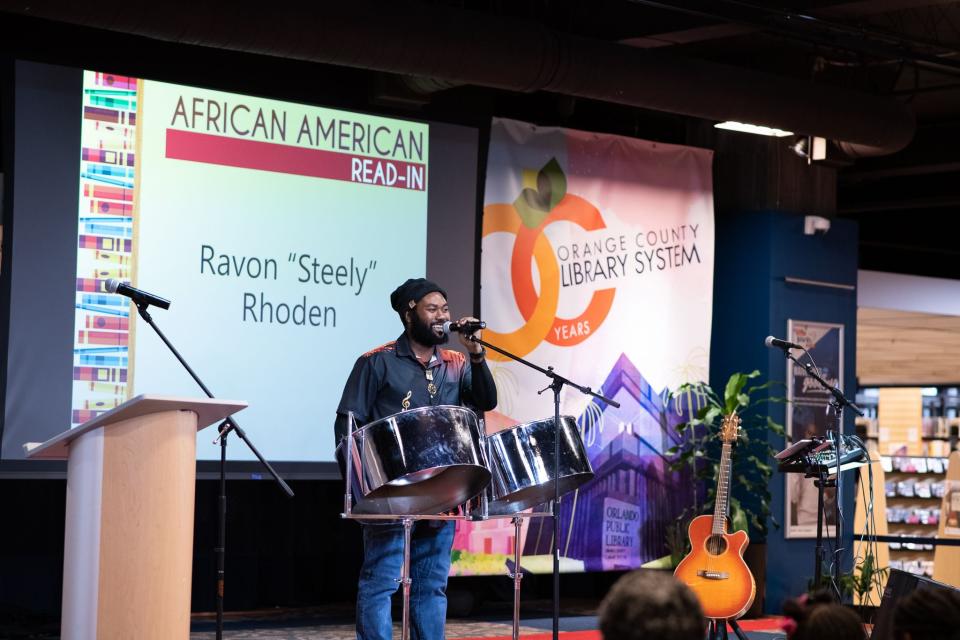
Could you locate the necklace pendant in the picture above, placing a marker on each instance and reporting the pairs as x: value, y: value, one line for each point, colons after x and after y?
x: 432, y: 390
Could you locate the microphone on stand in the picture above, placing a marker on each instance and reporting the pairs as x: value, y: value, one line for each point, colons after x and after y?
x: 122, y: 288
x: 783, y: 344
x: 467, y: 327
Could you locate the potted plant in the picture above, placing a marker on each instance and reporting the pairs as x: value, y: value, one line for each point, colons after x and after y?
x: 698, y: 453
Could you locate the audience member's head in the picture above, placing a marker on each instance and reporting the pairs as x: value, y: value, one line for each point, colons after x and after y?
x: 646, y: 604
x: 928, y: 614
x: 818, y: 617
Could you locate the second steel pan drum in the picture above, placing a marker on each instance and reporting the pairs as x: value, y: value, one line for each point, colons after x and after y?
x: 522, y: 461
x: 418, y: 462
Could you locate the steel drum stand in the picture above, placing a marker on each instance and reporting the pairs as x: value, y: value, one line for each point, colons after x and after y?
x: 517, y: 574
x: 406, y: 520
x: 404, y: 579
x: 556, y: 384
x: 517, y: 518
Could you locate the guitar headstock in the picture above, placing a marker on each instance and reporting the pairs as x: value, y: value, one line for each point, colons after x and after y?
x: 729, y: 428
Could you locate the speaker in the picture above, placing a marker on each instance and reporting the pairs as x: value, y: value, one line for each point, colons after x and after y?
x: 899, y: 584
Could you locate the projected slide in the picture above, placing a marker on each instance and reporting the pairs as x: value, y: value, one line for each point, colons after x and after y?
x: 277, y: 230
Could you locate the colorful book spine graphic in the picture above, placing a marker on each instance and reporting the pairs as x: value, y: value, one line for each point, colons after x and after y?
x: 97, y: 99
x: 105, y: 218
x: 108, y: 271
x: 117, y: 245
x: 108, y: 156
x: 119, y: 133
x: 103, y: 361
x: 102, y: 337
x: 108, y: 389
x: 116, y: 375
x: 110, y: 208
x: 114, y: 116
x: 108, y: 257
x: 111, y: 323
x: 107, y: 193
x: 101, y: 169
x: 120, y: 229
x: 105, y: 300
x: 114, y: 81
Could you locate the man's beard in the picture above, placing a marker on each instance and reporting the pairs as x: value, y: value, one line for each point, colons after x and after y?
x: 424, y: 334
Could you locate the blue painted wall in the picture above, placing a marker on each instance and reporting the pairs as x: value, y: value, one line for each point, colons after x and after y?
x: 754, y: 253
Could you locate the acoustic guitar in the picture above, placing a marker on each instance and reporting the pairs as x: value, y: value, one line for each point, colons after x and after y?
x: 714, y: 568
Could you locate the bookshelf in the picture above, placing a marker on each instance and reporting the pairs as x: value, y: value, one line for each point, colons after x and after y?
x: 911, y: 497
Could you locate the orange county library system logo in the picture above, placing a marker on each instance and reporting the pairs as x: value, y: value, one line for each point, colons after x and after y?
x: 543, y: 201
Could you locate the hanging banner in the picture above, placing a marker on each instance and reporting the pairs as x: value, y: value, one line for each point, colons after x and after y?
x: 597, y: 260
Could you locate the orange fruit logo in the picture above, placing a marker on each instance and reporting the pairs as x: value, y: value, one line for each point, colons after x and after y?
x: 542, y: 202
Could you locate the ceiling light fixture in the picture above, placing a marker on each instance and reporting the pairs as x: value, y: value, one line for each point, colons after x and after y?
x: 752, y: 128
x: 811, y: 148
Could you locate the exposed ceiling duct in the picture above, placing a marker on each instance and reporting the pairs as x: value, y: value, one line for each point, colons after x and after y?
x: 473, y: 48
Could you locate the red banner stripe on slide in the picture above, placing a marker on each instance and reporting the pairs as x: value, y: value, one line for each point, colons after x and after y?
x: 282, y: 158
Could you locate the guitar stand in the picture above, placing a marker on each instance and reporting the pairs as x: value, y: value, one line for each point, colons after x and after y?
x: 717, y: 629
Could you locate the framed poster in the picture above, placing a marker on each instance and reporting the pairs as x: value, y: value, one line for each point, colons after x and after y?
x: 809, y: 414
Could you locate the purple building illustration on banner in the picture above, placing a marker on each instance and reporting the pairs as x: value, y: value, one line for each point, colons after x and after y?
x: 619, y: 519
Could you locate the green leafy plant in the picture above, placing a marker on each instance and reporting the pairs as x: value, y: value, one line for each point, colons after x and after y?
x: 866, y: 578
x: 861, y: 583
x: 698, y: 453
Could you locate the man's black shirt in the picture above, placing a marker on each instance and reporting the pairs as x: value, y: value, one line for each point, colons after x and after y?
x: 382, y: 378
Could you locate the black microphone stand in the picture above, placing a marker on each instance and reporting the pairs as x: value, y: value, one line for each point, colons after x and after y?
x: 556, y: 385
x: 838, y: 403
x: 224, y: 430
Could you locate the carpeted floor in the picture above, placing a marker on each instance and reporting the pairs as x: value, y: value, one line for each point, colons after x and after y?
x: 335, y: 622
x: 301, y: 626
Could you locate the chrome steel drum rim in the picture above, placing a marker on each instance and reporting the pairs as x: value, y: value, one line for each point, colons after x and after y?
x: 422, y: 461
x: 522, y: 461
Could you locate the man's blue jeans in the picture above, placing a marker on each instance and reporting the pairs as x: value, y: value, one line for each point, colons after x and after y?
x: 430, y: 545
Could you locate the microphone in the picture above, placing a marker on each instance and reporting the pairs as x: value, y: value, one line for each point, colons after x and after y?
x: 115, y: 286
x: 783, y: 344
x: 465, y: 328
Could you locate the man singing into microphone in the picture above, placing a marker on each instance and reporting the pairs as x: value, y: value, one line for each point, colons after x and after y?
x: 410, y: 372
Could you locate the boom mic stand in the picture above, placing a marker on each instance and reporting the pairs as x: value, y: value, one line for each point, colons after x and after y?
x: 838, y: 403
x: 224, y: 429
x: 556, y: 385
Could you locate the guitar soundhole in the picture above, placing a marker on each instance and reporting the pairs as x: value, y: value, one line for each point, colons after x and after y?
x: 716, y: 545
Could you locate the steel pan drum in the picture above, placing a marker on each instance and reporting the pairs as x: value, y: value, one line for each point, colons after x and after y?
x: 418, y: 462
x: 522, y: 461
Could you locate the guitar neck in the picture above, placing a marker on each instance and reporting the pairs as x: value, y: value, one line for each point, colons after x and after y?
x: 721, y: 506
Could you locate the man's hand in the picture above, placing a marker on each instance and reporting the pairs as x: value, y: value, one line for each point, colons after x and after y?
x: 472, y: 347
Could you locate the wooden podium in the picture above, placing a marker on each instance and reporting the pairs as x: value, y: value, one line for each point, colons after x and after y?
x: 128, y: 544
